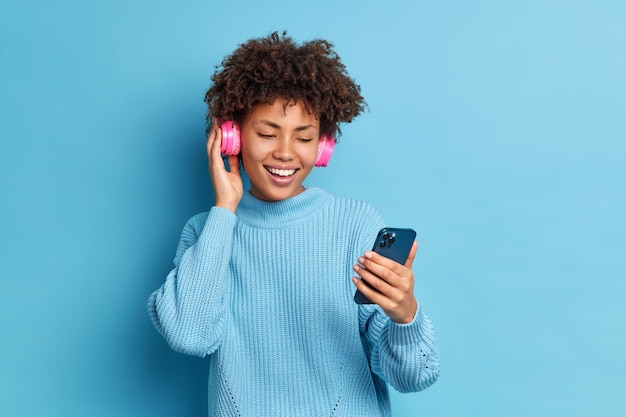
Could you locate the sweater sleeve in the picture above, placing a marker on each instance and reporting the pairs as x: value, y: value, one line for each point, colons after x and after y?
x: 404, y: 355
x: 189, y: 308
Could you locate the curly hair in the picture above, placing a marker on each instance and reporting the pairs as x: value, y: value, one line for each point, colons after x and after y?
x: 275, y: 67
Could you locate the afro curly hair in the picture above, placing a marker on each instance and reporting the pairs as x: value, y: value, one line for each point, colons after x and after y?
x: 262, y: 70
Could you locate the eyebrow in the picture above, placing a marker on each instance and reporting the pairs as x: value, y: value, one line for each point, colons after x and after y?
x: 275, y: 126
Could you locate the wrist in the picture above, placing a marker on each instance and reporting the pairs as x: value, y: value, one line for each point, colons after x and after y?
x: 227, y: 205
x: 409, y: 316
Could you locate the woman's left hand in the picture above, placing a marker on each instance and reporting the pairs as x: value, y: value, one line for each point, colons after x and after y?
x: 393, y: 282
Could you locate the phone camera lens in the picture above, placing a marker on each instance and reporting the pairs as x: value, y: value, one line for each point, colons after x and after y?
x: 385, y: 236
x: 392, y: 239
x: 383, y: 244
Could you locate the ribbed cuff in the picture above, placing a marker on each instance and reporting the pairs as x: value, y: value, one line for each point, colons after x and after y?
x: 409, y: 333
x: 222, y: 215
x: 151, y: 306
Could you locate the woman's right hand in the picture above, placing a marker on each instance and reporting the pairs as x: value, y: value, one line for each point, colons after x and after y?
x: 227, y: 185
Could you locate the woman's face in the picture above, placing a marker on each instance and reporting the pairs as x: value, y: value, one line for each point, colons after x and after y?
x: 279, y: 149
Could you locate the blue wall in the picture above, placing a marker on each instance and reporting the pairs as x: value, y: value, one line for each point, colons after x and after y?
x: 496, y: 130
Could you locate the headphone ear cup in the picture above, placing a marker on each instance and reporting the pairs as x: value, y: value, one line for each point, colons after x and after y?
x: 231, y: 138
x: 324, y: 151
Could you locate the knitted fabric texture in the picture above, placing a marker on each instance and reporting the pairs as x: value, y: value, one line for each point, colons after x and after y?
x: 267, y: 295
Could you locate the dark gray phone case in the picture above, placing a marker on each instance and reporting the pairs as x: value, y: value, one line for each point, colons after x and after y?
x: 393, y: 243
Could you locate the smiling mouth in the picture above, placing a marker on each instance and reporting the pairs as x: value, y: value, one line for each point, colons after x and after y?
x: 281, y: 172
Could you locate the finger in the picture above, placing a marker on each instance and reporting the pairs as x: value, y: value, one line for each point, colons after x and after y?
x: 411, y: 257
x: 380, y: 284
x: 374, y: 296
x: 211, y: 136
x: 216, y: 149
x: 210, y: 146
x: 382, y: 260
x: 233, y: 164
x: 383, y: 268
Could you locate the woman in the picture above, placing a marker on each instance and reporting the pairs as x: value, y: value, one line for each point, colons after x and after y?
x: 263, y: 282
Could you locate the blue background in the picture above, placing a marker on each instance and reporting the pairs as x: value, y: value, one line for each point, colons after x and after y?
x: 496, y: 130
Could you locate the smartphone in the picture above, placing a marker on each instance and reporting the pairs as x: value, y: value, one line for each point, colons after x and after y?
x: 393, y: 243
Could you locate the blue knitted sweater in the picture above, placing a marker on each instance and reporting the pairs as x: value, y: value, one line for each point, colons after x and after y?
x: 267, y: 294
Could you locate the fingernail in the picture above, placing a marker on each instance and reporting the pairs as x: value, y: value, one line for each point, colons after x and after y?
x: 361, y: 259
x: 368, y: 254
x: 355, y: 267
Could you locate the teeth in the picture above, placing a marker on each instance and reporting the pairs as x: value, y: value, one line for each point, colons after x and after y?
x: 282, y: 172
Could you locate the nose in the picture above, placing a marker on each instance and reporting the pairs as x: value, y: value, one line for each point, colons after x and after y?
x: 284, y: 150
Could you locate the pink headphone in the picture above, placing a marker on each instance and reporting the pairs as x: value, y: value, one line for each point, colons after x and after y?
x: 231, y: 143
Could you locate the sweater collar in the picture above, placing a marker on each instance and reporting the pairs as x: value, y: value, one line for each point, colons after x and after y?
x: 278, y: 214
